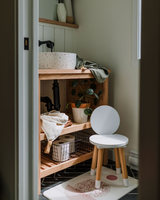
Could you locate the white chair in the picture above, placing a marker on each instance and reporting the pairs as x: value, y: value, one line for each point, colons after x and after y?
x: 105, y: 121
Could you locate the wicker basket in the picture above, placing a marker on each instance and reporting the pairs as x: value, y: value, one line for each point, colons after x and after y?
x: 61, y: 151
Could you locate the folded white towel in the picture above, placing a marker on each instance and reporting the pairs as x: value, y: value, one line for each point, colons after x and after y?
x: 53, y: 123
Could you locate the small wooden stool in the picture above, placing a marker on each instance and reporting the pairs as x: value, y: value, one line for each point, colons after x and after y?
x: 105, y: 121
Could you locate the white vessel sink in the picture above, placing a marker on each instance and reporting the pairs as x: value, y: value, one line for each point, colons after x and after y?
x: 57, y: 60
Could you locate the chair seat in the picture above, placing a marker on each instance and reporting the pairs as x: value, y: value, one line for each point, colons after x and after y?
x: 109, y: 141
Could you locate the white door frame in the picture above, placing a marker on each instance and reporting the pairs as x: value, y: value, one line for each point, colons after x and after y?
x: 28, y: 14
x: 19, y: 100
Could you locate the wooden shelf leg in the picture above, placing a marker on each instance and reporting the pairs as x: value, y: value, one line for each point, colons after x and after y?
x: 94, y: 162
x: 124, y: 167
x: 118, y: 168
x: 99, y: 168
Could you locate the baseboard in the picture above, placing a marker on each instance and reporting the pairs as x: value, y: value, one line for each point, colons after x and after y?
x: 130, y: 161
x: 111, y: 156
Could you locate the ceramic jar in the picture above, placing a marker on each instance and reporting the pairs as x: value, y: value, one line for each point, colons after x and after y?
x: 61, y: 12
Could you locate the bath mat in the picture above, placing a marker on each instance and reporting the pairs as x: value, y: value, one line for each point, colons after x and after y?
x: 82, y: 187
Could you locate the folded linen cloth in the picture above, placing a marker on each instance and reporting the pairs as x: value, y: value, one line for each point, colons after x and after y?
x: 52, y: 124
x: 99, y: 72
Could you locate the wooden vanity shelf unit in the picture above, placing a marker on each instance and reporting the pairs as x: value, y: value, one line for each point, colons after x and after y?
x: 46, y: 165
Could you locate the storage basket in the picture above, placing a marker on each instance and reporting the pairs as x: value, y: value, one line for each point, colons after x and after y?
x: 61, y: 151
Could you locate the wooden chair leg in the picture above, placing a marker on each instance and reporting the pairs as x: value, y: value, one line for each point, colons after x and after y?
x: 124, y: 167
x: 94, y: 162
x: 118, y: 168
x: 99, y: 168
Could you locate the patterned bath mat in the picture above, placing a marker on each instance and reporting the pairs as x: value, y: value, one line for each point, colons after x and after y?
x: 82, y: 187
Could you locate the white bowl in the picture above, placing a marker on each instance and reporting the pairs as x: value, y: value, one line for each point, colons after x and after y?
x: 57, y: 60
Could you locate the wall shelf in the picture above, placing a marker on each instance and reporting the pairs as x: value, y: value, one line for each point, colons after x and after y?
x: 48, y: 21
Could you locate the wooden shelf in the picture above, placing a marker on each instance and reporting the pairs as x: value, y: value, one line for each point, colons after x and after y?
x: 50, y: 74
x: 48, y: 166
x: 48, y: 21
x: 75, y: 127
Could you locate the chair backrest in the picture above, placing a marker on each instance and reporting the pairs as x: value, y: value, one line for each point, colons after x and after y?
x: 105, y: 120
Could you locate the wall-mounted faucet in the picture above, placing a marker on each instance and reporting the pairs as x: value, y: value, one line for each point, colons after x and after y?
x: 49, y: 44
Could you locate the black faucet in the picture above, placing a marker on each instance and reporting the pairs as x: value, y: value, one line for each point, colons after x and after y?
x: 49, y: 44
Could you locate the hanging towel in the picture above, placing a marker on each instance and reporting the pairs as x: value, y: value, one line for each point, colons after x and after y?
x: 53, y: 123
x: 99, y: 72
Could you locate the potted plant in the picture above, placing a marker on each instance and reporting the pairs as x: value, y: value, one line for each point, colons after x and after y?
x: 81, y: 106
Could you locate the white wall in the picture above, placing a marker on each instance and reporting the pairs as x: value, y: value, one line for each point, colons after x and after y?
x: 105, y: 36
x: 48, y: 9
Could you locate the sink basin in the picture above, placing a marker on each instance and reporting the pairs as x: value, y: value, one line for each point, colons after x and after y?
x: 57, y: 60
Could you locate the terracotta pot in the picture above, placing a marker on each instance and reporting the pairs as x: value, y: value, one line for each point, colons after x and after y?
x: 78, y: 113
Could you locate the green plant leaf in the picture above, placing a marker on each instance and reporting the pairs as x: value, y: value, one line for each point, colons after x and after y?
x: 100, y: 92
x: 73, y: 92
x: 90, y: 91
x: 96, y: 95
x: 82, y: 82
x: 92, y: 80
x: 78, y: 103
x: 95, y: 101
x: 93, y: 86
x: 80, y: 94
x: 74, y: 83
x: 88, y: 111
x: 68, y: 105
